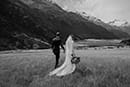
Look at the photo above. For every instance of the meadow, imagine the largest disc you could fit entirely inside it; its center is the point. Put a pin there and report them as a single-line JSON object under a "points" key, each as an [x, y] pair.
{"points": [[98, 68]]}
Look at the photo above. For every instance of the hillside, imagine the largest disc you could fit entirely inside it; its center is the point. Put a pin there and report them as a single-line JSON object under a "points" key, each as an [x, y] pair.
{"points": [[121, 25], [119, 31], [40, 19]]}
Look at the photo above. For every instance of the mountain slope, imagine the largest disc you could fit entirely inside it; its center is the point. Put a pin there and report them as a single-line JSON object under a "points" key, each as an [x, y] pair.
{"points": [[118, 31], [41, 19], [125, 29], [121, 25]]}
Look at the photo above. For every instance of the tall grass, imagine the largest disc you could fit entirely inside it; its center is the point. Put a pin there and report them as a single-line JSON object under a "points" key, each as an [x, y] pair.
{"points": [[31, 70]]}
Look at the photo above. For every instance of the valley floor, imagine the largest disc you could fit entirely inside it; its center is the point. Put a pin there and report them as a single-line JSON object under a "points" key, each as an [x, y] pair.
{"points": [[99, 67]]}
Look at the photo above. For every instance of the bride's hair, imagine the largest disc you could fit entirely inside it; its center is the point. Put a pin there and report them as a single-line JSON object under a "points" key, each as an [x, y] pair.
{"points": [[73, 37]]}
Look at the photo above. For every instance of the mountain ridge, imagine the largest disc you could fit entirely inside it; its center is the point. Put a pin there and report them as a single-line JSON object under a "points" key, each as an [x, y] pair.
{"points": [[42, 20], [120, 31]]}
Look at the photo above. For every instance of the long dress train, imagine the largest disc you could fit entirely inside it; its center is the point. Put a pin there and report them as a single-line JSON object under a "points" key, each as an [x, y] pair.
{"points": [[67, 67]]}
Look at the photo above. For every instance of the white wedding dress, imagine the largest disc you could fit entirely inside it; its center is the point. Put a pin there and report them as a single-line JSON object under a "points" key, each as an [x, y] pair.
{"points": [[67, 67]]}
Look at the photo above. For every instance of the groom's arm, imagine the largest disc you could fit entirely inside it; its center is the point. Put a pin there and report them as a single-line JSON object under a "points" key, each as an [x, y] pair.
{"points": [[52, 44], [62, 46]]}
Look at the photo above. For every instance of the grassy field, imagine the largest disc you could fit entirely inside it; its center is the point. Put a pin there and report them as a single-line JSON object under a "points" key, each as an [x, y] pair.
{"points": [[98, 68], [97, 43]]}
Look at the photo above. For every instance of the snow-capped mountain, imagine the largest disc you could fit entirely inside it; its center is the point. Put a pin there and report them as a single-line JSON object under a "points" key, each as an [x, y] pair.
{"points": [[117, 22], [121, 25], [117, 27], [41, 19], [90, 17]]}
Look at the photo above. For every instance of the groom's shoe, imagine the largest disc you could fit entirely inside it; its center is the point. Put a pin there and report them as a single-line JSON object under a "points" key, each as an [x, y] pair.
{"points": [[56, 66]]}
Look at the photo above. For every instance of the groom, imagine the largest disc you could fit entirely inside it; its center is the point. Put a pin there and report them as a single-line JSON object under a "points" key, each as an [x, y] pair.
{"points": [[56, 43]]}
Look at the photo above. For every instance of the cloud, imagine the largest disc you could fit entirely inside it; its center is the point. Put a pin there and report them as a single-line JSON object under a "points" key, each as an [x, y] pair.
{"points": [[113, 9], [105, 9]]}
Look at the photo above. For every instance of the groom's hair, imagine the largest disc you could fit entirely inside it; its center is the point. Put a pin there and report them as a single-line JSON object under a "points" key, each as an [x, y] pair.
{"points": [[57, 33]]}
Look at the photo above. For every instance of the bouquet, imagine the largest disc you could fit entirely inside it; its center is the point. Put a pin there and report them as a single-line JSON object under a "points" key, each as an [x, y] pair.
{"points": [[75, 59]]}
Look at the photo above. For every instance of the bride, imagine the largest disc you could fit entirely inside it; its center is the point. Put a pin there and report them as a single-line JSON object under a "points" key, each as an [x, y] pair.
{"points": [[68, 66]]}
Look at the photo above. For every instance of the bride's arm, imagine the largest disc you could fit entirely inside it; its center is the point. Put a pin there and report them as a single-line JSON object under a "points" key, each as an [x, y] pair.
{"points": [[73, 53]]}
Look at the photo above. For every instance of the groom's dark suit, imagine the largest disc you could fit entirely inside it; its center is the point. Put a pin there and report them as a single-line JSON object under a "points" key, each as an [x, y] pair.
{"points": [[56, 43]]}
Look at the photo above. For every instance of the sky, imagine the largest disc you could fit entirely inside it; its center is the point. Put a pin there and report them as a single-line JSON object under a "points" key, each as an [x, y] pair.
{"points": [[106, 10]]}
